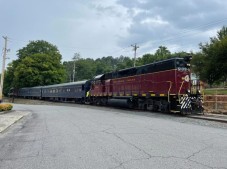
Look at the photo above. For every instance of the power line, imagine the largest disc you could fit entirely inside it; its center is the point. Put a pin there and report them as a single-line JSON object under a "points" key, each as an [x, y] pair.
{"points": [[190, 31]]}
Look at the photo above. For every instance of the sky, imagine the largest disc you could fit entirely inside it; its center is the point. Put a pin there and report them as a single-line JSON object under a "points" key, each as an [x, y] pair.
{"points": [[98, 28]]}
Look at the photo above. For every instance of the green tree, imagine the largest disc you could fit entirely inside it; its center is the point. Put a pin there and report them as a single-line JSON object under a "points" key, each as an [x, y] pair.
{"points": [[198, 65], [38, 70], [85, 69], [180, 54], [39, 63], [123, 62], [162, 53], [9, 76], [215, 58], [146, 59], [41, 47]]}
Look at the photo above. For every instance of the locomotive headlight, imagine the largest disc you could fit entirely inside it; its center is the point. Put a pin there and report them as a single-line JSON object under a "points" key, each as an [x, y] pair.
{"points": [[188, 91], [198, 92], [188, 65]]}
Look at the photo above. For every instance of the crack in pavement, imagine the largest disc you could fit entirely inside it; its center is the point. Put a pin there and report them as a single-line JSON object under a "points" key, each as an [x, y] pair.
{"points": [[162, 157], [126, 142], [199, 151], [19, 158], [149, 156]]}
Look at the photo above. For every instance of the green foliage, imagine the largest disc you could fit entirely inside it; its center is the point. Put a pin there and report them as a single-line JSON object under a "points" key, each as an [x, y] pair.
{"points": [[198, 65], [84, 69], [180, 54], [39, 63], [123, 62], [9, 79], [88, 68], [162, 53], [215, 58], [41, 47], [147, 58], [38, 70]]}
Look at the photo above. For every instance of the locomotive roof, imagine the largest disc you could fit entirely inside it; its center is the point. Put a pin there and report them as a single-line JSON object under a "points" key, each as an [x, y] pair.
{"points": [[67, 84], [98, 76], [162, 61], [150, 64], [167, 64], [58, 85]]}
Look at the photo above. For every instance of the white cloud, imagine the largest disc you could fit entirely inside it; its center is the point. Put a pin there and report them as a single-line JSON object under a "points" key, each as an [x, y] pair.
{"points": [[154, 21], [97, 28]]}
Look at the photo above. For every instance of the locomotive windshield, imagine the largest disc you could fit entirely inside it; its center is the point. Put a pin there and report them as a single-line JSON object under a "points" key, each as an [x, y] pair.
{"points": [[182, 65]]}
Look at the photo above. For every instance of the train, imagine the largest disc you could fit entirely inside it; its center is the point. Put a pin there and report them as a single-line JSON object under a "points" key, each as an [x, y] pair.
{"points": [[163, 86]]}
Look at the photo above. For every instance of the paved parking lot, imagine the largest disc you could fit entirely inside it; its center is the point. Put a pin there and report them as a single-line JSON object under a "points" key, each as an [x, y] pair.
{"points": [[89, 138]]}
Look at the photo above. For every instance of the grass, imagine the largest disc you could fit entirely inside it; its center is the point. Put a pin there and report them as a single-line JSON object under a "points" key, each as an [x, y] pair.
{"points": [[215, 91]]}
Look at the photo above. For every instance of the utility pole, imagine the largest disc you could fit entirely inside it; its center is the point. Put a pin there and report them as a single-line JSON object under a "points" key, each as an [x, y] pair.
{"points": [[75, 58], [5, 50], [74, 67], [135, 47]]}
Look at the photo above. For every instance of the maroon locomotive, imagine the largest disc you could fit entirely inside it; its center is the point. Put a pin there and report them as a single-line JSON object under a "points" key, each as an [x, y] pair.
{"points": [[160, 86]]}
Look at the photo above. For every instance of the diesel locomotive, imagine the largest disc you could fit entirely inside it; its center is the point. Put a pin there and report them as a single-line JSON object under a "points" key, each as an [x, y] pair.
{"points": [[163, 86]]}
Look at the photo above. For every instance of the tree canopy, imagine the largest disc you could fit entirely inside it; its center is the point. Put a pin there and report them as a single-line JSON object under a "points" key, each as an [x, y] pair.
{"points": [[88, 68], [41, 47], [211, 62], [39, 63]]}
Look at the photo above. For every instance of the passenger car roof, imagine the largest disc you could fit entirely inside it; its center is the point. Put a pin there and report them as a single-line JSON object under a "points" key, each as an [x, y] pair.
{"points": [[66, 84]]}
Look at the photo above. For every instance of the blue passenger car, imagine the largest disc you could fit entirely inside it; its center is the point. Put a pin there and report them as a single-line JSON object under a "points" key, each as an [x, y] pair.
{"points": [[30, 92], [74, 91]]}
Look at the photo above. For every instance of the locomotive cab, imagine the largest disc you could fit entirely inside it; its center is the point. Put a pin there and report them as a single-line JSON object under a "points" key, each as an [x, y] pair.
{"points": [[189, 95]]}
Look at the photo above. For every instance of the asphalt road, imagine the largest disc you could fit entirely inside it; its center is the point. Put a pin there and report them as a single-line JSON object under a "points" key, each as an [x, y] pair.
{"points": [[63, 137]]}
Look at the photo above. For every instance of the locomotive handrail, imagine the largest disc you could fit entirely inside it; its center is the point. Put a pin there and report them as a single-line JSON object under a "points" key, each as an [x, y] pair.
{"points": [[180, 90], [169, 90], [180, 87]]}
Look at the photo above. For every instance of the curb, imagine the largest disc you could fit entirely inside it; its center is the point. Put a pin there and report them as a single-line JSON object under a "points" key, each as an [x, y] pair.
{"points": [[8, 119], [5, 112]]}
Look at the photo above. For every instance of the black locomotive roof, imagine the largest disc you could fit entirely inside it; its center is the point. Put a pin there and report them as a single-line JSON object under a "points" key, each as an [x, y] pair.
{"points": [[148, 68], [162, 61]]}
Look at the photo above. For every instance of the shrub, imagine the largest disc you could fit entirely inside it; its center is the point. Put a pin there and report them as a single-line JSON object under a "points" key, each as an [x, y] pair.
{"points": [[5, 107]]}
